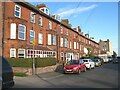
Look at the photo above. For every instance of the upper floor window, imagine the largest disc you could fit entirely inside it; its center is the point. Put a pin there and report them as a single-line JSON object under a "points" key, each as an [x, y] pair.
{"points": [[80, 47], [67, 32], [40, 21], [17, 12], [75, 45], [61, 42], [40, 38], [54, 39], [74, 36], [61, 30], [32, 17], [50, 25], [32, 35], [21, 32], [13, 31], [49, 39], [70, 45], [65, 42]]}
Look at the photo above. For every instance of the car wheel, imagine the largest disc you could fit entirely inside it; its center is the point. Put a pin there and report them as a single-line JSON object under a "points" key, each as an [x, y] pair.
{"points": [[90, 67]]}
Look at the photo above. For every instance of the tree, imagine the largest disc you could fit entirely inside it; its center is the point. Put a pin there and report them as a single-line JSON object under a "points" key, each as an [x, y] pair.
{"points": [[90, 54], [114, 54]]}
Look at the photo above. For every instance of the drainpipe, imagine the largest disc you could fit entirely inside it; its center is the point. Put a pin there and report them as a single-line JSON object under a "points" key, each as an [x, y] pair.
{"points": [[3, 28]]}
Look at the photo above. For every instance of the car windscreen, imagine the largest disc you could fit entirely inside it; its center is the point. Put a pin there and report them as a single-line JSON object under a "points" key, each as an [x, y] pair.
{"points": [[85, 60], [72, 62], [96, 60]]}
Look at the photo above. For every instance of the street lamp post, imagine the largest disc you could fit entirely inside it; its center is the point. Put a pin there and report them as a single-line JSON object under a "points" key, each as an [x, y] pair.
{"points": [[33, 42]]}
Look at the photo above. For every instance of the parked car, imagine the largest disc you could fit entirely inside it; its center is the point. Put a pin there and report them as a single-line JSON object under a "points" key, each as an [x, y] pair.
{"points": [[7, 74], [89, 63], [98, 62], [75, 66], [102, 61], [115, 60], [104, 57], [110, 59]]}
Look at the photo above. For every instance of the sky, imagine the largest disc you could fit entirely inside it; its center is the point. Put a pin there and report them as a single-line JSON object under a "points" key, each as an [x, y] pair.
{"points": [[99, 19]]}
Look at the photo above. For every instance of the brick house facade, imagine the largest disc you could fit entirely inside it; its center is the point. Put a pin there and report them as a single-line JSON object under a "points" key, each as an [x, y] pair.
{"points": [[25, 24]]}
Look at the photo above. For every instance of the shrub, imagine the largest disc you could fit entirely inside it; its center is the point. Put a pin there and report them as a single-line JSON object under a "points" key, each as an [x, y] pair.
{"points": [[27, 62], [20, 74]]}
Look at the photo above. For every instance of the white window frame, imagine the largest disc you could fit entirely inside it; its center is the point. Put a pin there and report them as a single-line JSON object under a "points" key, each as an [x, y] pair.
{"points": [[74, 45], [46, 11], [17, 11], [23, 53], [11, 49], [65, 42], [62, 55], [61, 30], [54, 40], [67, 32], [77, 45], [32, 17], [40, 20], [40, 38], [61, 42], [22, 32], [80, 47], [32, 36], [70, 45], [13, 31], [50, 25], [74, 35], [49, 39]]}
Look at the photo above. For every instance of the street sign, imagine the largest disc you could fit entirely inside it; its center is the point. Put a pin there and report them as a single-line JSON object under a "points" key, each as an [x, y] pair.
{"points": [[33, 42]]}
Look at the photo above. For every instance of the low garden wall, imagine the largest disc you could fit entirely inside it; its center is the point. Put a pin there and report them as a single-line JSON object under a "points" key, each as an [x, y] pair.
{"points": [[28, 71], [24, 65]]}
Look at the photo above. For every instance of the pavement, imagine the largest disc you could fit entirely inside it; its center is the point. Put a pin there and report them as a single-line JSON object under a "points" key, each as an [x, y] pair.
{"points": [[105, 76]]}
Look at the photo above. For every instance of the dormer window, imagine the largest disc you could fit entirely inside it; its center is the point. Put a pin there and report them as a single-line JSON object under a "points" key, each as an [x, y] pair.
{"points": [[45, 10]]}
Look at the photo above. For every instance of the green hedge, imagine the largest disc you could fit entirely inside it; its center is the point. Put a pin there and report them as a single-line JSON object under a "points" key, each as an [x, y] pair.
{"points": [[27, 62]]}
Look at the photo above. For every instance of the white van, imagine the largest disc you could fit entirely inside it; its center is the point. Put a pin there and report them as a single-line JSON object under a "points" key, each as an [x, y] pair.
{"points": [[104, 57]]}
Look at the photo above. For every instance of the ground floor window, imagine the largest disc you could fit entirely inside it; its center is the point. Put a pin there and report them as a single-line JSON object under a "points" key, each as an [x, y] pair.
{"points": [[62, 56], [40, 53], [21, 53], [12, 53]]}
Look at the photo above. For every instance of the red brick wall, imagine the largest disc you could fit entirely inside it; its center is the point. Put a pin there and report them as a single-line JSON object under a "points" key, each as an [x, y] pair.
{"points": [[1, 26], [25, 20]]}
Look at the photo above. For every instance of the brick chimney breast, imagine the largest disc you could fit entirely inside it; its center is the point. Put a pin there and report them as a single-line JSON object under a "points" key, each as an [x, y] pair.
{"points": [[41, 5]]}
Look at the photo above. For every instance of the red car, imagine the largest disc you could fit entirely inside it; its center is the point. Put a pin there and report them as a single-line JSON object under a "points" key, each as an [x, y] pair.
{"points": [[75, 66]]}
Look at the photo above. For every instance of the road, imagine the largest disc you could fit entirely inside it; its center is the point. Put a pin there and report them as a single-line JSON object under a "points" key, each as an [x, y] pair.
{"points": [[105, 76]]}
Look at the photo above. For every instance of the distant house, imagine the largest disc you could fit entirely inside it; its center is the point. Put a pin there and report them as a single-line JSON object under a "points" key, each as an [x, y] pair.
{"points": [[106, 47]]}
